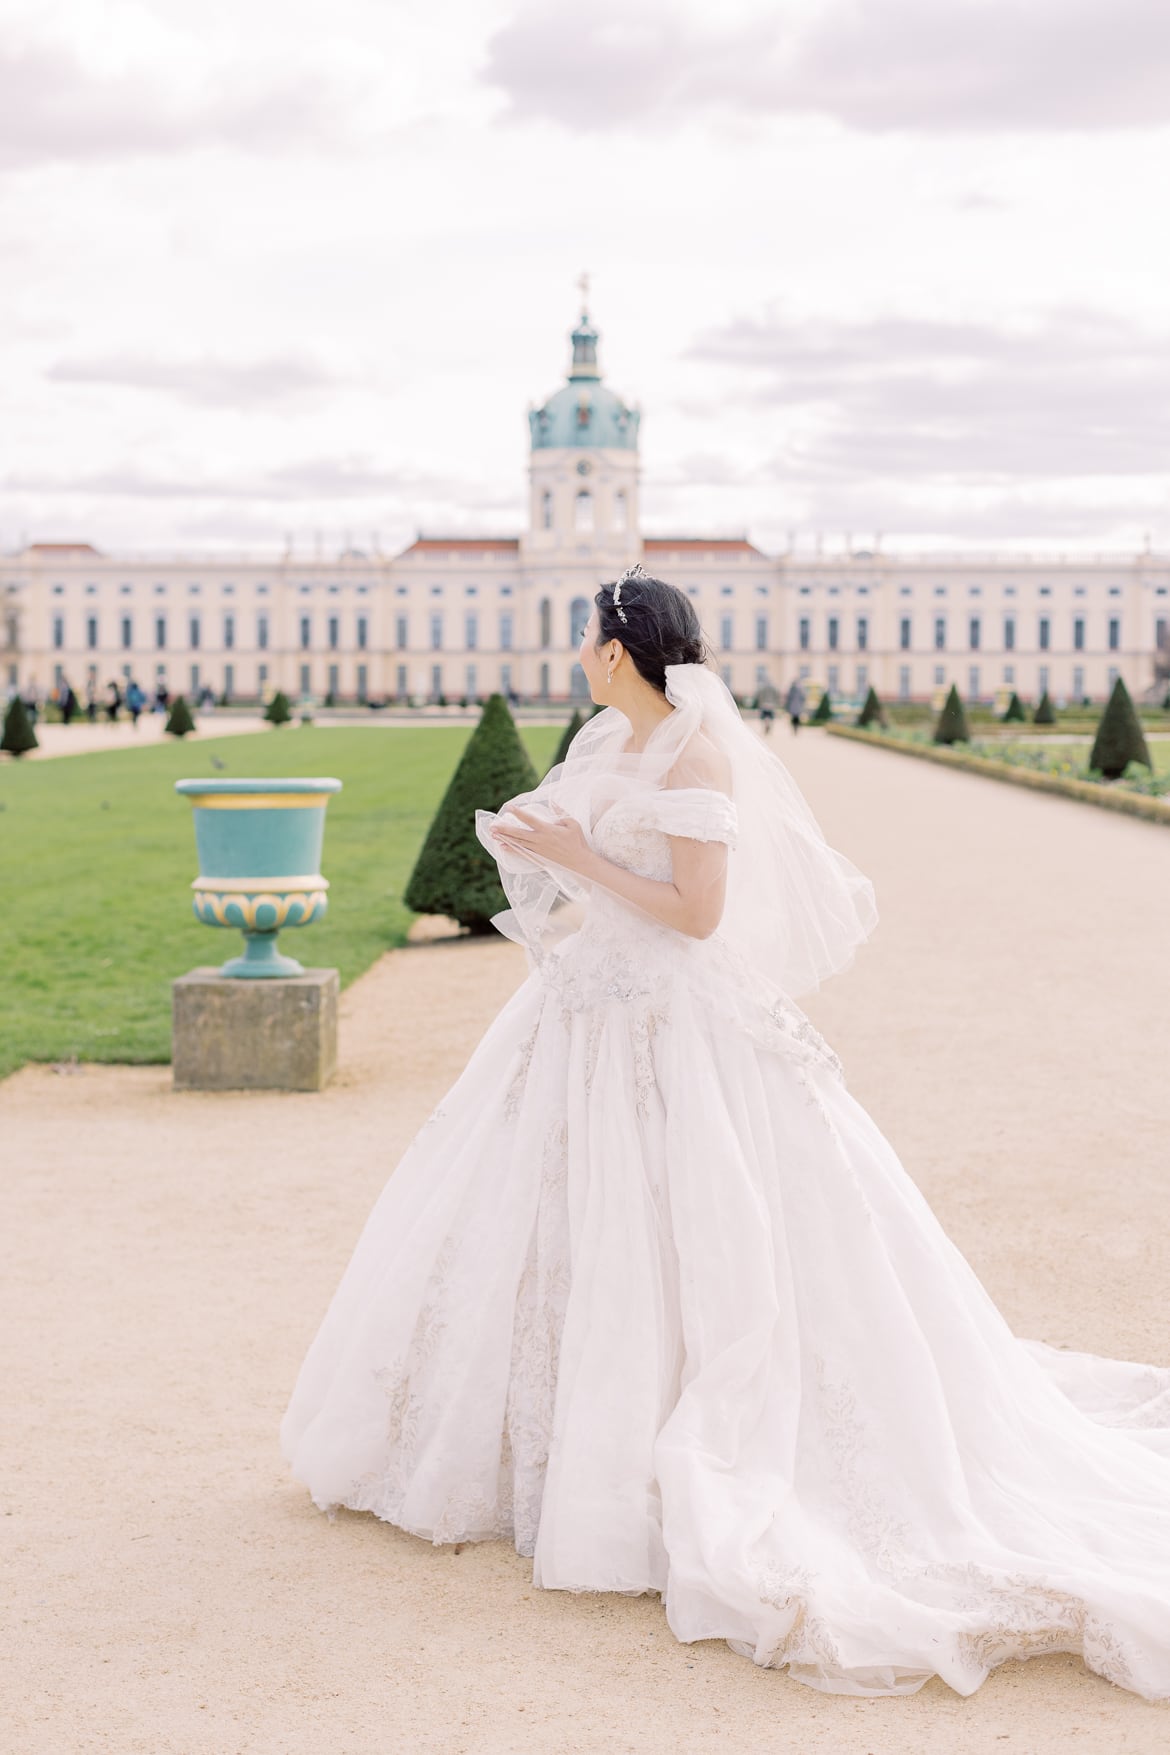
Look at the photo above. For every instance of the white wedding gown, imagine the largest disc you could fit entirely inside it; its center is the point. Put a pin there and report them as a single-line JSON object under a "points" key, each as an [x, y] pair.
{"points": [[652, 1296]]}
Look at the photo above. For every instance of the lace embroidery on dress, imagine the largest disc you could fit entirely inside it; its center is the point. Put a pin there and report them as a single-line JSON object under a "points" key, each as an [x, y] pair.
{"points": [[809, 1639], [853, 1467], [1022, 1615], [536, 1339]]}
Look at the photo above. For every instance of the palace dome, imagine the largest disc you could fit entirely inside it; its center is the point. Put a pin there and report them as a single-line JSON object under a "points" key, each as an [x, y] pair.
{"points": [[584, 412]]}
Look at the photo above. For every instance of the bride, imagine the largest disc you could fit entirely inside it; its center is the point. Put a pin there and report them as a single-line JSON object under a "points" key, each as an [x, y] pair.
{"points": [[650, 1295]]}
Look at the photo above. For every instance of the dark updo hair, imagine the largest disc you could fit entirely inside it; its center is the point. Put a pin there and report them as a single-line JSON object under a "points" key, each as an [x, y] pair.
{"points": [[661, 627]]}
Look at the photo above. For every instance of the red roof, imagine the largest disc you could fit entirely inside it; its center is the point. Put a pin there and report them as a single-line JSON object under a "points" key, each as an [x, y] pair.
{"points": [[464, 542], [62, 548], [734, 544]]}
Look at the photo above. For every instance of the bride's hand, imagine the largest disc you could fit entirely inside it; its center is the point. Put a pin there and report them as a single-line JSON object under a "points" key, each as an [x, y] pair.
{"points": [[556, 841]]}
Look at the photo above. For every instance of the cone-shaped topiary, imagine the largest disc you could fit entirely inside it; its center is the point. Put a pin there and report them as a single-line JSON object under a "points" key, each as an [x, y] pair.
{"points": [[872, 712], [1120, 738], [1014, 709], [1044, 714], [179, 720], [823, 711], [455, 874], [952, 721], [19, 735], [567, 736], [278, 711]]}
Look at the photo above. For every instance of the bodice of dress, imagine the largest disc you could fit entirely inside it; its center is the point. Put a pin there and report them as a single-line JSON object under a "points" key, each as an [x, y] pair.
{"points": [[622, 955], [623, 835]]}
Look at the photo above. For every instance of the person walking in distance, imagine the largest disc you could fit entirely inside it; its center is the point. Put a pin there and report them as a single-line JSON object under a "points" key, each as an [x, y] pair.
{"points": [[794, 702]]}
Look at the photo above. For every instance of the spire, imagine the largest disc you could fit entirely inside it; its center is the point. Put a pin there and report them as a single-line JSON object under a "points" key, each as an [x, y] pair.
{"points": [[584, 364]]}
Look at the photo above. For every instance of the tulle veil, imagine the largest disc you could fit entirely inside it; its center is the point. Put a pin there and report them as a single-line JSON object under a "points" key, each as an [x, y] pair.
{"points": [[795, 908]]}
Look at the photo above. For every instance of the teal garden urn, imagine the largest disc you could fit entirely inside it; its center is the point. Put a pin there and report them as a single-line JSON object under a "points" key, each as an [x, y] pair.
{"points": [[259, 846]]}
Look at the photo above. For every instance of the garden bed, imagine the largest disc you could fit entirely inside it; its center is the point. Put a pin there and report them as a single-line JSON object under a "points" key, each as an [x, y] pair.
{"points": [[1118, 795]]}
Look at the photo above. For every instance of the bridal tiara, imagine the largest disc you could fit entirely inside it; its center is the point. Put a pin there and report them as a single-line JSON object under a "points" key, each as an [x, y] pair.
{"points": [[637, 571]]}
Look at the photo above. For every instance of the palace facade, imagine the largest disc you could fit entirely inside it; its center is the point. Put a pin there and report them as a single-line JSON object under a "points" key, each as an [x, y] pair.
{"points": [[462, 616]]}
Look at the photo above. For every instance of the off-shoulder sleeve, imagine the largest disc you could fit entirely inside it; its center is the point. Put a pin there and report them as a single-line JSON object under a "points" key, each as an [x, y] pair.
{"points": [[697, 812]]}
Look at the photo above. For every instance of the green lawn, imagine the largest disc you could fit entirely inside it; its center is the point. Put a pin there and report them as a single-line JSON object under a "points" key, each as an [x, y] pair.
{"points": [[97, 854]]}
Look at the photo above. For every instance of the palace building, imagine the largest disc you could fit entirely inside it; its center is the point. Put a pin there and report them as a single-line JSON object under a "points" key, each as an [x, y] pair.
{"points": [[462, 616]]}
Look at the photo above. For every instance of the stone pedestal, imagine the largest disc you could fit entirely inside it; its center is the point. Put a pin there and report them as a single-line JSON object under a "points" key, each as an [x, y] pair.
{"points": [[237, 1035]]}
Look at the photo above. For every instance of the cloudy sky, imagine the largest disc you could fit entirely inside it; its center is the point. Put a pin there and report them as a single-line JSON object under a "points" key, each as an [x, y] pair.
{"points": [[894, 266]]}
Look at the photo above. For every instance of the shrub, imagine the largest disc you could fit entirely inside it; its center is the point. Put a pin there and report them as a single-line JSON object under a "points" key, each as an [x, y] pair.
{"points": [[1120, 738], [872, 710], [179, 720], [567, 736], [278, 711], [19, 735], [329, 700], [823, 710], [454, 873], [1044, 714], [951, 726], [1014, 709]]}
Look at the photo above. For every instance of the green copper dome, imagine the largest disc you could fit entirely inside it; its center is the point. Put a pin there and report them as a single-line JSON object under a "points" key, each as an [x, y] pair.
{"points": [[584, 412]]}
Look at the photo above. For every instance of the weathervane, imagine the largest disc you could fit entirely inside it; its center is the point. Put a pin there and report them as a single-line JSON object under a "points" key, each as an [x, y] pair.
{"points": [[583, 284]]}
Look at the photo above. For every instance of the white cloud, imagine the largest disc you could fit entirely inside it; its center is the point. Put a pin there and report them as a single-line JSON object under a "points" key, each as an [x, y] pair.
{"points": [[54, 108], [215, 382], [938, 66]]}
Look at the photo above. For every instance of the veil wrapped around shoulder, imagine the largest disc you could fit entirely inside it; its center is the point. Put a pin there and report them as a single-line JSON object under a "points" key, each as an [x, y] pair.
{"points": [[795, 908]]}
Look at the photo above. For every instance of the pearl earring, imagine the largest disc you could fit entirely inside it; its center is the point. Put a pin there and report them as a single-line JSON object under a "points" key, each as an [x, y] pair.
{"points": [[609, 674]]}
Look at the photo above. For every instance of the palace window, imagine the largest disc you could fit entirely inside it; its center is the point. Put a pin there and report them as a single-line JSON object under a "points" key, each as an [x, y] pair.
{"points": [[583, 515], [940, 633], [1009, 633], [334, 633], [262, 632], [904, 633], [194, 632], [401, 633], [833, 628], [1114, 634], [58, 632], [506, 630], [229, 632], [1078, 635], [579, 611], [546, 510], [973, 633], [1043, 633], [545, 631], [804, 633], [862, 633], [471, 632], [761, 633], [436, 635]]}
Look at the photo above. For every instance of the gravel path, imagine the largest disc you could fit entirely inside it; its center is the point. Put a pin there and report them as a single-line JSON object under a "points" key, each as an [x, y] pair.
{"points": [[166, 1259]]}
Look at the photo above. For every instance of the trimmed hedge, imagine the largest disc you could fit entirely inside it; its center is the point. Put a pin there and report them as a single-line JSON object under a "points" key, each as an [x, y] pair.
{"points": [[1120, 738], [455, 874], [567, 736], [951, 726], [179, 720], [19, 736]]}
